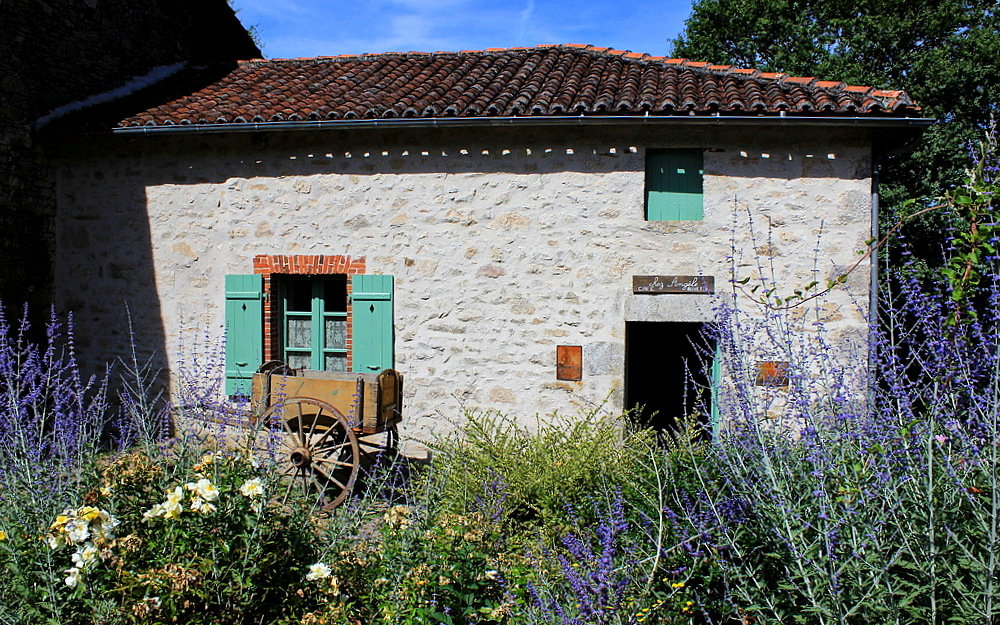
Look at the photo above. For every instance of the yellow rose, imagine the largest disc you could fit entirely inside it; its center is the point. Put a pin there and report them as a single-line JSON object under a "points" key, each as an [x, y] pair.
{"points": [[88, 513]]}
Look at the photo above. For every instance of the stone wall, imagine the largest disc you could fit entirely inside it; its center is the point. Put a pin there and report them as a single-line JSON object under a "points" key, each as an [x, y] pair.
{"points": [[503, 244]]}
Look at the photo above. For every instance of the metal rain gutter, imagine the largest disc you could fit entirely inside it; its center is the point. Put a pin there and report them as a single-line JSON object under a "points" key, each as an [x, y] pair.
{"points": [[499, 122]]}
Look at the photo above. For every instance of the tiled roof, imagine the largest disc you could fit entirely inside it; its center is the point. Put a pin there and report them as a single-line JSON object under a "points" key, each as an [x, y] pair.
{"points": [[559, 80]]}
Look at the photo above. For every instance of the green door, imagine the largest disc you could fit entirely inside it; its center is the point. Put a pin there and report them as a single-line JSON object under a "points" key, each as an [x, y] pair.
{"points": [[244, 331], [716, 379], [371, 316]]}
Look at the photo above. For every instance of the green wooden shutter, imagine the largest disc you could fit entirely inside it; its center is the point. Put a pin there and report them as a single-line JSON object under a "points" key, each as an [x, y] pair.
{"points": [[716, 381], [244, 331], [657, 204], [371, 319], [674, 185]]}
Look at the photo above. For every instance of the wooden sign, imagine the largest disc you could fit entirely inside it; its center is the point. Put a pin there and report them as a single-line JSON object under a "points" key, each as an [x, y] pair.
{"points": [[673, 284]]}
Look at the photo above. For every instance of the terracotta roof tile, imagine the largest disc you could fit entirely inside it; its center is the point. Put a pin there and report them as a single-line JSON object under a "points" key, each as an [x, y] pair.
{"points": [[799, 80], [549, 80]]}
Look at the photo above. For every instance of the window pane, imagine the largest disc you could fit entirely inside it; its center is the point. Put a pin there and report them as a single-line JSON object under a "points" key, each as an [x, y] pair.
{"points": [[299, 360], [335, 294], [336, 333], [336, 362], [298, 296], [299, 333]]}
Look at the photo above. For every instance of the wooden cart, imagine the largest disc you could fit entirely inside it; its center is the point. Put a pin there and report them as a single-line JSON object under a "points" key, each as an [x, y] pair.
{"points": [[328, 423]]}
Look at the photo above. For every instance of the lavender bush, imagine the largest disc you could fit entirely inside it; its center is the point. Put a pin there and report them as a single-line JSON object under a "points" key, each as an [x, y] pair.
{"points": [[588, 587], [867, 487], [51, 421]]}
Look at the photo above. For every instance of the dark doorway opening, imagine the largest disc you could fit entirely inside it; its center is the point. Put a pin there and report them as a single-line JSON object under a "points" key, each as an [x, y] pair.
{"points": [[668, 373]]}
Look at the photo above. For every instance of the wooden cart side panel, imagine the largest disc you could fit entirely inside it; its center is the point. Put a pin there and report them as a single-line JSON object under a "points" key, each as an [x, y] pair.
{"points": [[337, 393], [369, 417], [258, 389], [381, 405]]}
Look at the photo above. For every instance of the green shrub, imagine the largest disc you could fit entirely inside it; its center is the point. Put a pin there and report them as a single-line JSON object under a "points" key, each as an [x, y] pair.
{"points": [[166, 539], [411, 568], [528, 476]]}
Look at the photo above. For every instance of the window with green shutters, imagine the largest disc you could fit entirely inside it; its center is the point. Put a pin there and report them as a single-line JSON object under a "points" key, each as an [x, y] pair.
{"points": [[674, 185], [310, 324]]}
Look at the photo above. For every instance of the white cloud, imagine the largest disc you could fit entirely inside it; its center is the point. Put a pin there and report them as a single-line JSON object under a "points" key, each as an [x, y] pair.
{"points": [[526, 17], [428, 6], [293, 28]]}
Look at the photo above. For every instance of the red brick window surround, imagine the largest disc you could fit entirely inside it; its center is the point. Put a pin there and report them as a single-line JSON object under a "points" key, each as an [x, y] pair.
{"points": [[272, 267]]}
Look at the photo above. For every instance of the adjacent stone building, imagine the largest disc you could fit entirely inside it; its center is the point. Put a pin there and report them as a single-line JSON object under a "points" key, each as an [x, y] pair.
{"points": [[530, 230], [64, 56]]}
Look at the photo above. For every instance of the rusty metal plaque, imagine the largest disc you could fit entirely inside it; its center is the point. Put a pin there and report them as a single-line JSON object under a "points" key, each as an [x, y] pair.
{"points": [[772, 373], [569, 362]]}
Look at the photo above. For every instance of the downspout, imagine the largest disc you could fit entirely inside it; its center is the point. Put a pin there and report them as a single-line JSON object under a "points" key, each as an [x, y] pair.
{"points": [[879, 155], [873, 294], [873, 284]]}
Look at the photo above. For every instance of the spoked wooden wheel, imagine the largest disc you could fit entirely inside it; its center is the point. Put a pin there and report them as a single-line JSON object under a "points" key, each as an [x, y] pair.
{"points": [[318, 453]]}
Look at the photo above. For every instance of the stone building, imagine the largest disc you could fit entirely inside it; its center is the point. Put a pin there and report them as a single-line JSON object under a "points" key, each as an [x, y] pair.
{"points": [[532, 229]]}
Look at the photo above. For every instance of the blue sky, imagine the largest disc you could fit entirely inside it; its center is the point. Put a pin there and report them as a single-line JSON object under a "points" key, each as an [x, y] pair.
{"points": [[308, 28]]}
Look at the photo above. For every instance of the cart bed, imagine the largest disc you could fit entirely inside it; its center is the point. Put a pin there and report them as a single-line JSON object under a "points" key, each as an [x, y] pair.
{"points": [[380, 407]]}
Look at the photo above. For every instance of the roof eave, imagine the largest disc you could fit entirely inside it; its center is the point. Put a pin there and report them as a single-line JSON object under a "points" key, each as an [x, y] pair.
{"points": [[579, 120]]}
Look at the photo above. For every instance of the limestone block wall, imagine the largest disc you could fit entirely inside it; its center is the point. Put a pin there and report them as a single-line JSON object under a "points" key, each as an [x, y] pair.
{"points": [[503, 244]]}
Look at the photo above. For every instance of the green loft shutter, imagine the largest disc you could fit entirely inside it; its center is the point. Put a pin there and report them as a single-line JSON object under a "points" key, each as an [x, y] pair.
{"points": [[371, 317], [674, 185], [244, 331]]}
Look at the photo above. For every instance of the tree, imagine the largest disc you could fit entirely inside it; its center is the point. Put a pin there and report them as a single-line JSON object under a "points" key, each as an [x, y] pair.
{"points": [[944, 53]]}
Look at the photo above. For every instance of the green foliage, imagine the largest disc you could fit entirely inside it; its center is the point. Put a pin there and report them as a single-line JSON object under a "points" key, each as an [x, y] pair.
{"points": [[976, 206], [253, 32], [412, 566], [536, 470], [945, 54], [883, 43], [181, 541], [229, 559]]}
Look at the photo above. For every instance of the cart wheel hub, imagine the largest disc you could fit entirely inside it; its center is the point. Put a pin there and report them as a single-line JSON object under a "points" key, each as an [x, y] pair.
{"points": [[300, 457]]}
